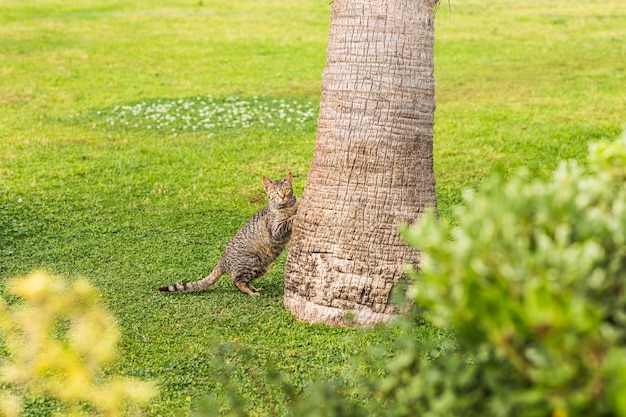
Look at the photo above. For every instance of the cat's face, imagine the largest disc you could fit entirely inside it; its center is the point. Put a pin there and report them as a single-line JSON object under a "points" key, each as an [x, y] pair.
{"points": [[280, 192]]}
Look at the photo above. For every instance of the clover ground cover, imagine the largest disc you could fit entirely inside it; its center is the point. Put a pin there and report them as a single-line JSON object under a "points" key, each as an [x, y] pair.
{"points": [[207, 113]]}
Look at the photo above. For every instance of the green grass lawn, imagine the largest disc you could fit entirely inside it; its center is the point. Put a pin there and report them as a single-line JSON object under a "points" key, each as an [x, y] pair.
{"points": [[134, 136]]}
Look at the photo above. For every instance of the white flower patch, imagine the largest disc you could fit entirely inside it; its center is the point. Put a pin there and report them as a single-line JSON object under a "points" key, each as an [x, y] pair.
{"points": [[204, 113]]}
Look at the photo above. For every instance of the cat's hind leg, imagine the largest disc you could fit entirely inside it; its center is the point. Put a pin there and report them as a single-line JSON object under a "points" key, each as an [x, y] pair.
{"points": [[245, 287], [243, 274]]}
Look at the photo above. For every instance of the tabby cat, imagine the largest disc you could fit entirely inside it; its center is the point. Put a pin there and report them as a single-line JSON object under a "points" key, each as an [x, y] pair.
{"points": [[257, 244]]}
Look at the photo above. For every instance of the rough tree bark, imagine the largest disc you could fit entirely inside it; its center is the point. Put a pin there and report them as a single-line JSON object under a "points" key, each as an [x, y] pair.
{"points": [[372, 166]]}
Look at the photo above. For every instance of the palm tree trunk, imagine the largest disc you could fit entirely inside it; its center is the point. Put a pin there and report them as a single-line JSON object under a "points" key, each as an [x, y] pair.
{"points": [[372, 166]]}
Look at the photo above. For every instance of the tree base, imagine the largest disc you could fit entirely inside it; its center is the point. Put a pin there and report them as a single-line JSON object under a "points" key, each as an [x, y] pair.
{"points": [[310, 312]]}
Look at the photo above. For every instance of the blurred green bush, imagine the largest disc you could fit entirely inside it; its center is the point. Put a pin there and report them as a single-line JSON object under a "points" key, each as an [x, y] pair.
{"points": [[532, 279]]}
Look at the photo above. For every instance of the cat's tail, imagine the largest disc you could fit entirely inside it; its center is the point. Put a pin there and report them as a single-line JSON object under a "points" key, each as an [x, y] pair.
{"points": [[197, 285]]}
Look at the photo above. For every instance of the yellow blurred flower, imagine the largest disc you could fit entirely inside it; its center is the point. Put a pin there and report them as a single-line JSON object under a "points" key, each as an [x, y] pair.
{"points": [[59, 338]]}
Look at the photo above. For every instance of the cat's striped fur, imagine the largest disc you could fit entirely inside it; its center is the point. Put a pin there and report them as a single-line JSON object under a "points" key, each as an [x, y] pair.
{"points": [[257, 244]]}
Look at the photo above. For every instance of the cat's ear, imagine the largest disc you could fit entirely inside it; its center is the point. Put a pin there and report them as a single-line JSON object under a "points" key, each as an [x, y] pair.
{"points": [[288, 178], [267, 183]]}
